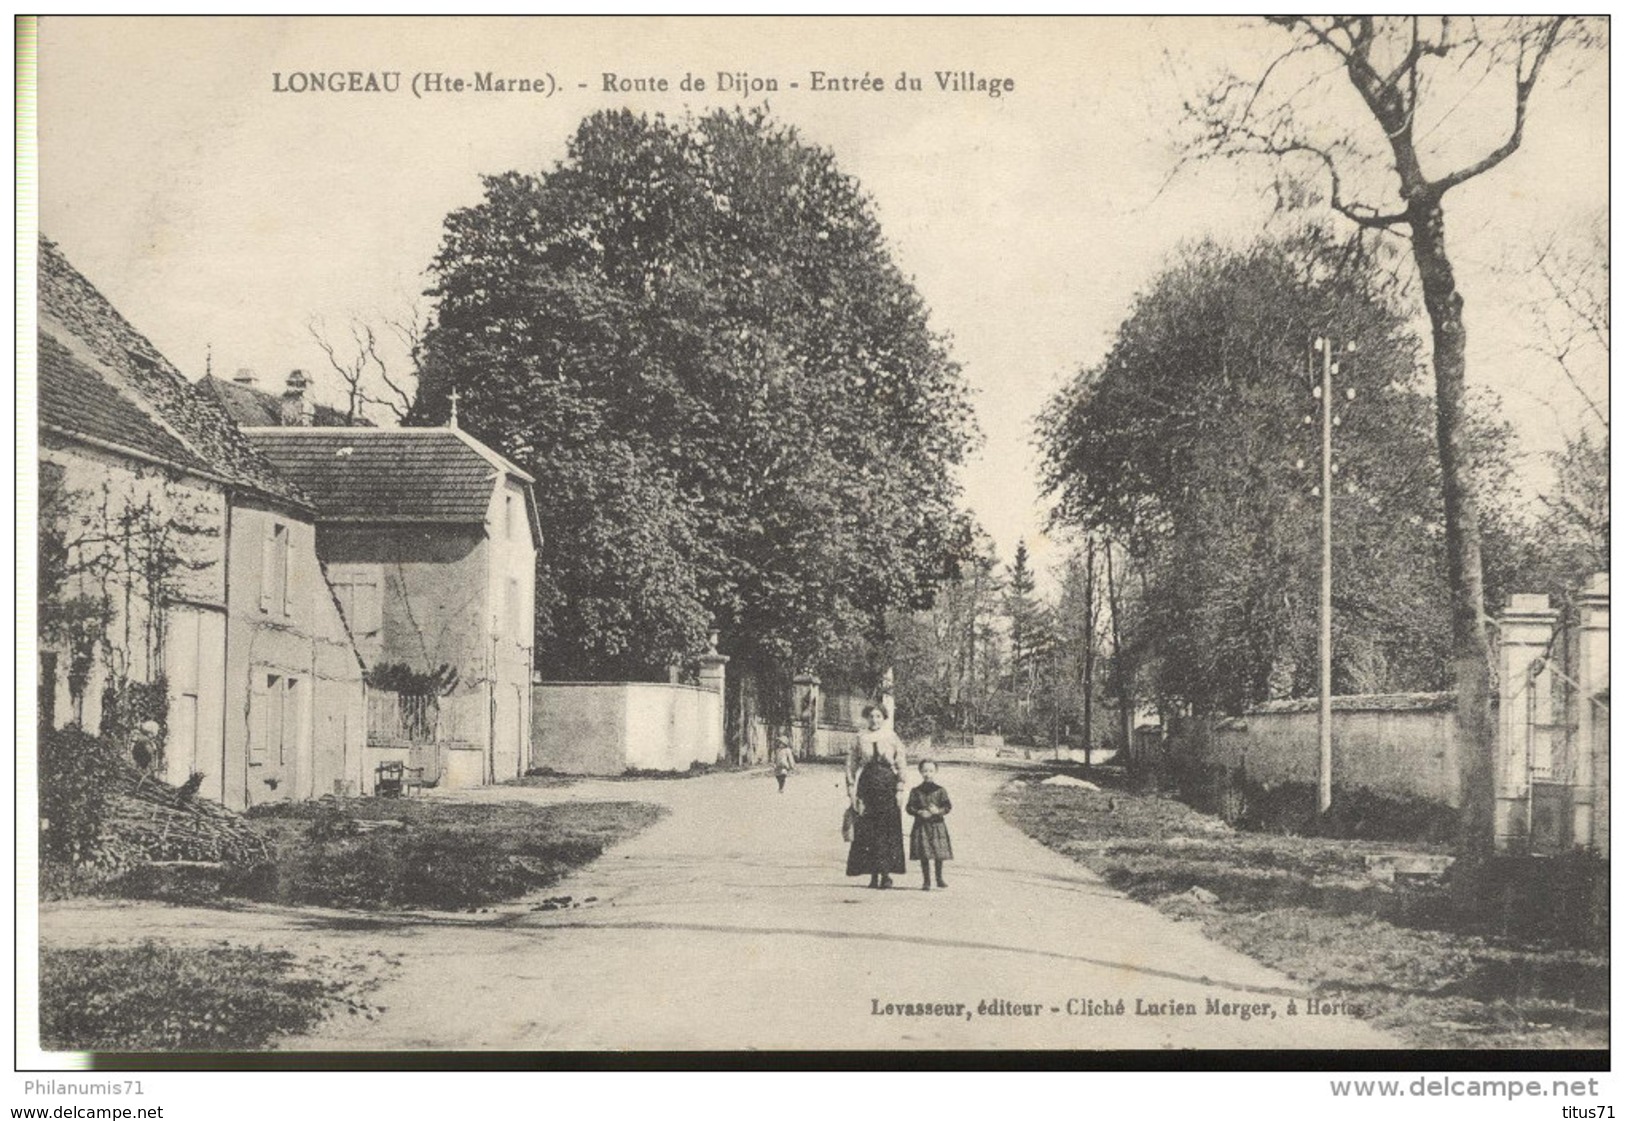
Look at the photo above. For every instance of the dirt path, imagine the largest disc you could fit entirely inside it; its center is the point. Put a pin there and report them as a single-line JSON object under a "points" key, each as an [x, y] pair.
{"points": [[729, 925]]}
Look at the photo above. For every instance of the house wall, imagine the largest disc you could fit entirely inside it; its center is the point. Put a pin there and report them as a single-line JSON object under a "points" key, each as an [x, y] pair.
{"points": [[511, 596], [426, 603], [463, 596], [187, 641], [296, 707], [606, 727], [1405, 752]]}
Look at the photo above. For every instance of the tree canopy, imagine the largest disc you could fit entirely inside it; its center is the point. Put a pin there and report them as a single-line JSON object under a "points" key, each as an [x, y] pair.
{"points": [[692, 332], [1195, 443]]}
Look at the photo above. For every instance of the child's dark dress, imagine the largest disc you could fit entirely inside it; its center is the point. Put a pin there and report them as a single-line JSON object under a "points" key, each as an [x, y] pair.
{"points": [[929, 838]]}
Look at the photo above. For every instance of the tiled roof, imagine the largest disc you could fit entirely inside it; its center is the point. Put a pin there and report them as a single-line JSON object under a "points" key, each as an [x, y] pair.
{"points": [[256, 408], [74, 398], [387, 474], [89, 339]]}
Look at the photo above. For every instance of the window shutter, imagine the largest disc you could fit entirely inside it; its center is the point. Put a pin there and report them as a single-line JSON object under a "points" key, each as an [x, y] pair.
{"points": [[267, 566], [290, 717], [287, 570], [369, 608], [259, 706]]}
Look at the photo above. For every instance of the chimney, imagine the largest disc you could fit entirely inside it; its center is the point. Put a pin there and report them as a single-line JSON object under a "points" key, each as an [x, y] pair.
{"points": [[245, 376], [296, 407]]}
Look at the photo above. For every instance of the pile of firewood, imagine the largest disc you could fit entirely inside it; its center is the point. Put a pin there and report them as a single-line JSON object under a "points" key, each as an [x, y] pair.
{"points": [[151, 821]]}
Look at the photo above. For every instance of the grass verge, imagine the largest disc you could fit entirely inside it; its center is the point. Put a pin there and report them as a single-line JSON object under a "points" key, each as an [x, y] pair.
{"points": [[1307, 907], [157, 997], [374, 853]]}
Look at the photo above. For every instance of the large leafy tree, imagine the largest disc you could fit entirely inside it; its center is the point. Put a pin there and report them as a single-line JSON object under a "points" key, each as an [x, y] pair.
{"points": [[692, 332], [1188, 444]]}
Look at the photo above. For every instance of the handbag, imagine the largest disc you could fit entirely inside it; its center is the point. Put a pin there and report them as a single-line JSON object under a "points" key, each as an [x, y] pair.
{"points": [[849, 824]]}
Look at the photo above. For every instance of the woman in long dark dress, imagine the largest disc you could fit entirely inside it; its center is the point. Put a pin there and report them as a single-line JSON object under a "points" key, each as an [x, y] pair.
{"points": [[874, 776]]}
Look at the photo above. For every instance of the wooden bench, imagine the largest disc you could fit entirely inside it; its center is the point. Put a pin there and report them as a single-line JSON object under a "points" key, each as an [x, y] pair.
{"points": [[395, 780]]}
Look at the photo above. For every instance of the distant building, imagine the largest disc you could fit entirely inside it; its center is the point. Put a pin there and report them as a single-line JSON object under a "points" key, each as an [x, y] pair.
{"points": [[253, 407], [175, 553], [429, 540]]}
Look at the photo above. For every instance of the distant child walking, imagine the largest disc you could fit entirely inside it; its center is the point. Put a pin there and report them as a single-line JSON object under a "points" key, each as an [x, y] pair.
{"points": [[784, 760], [928, 843]]}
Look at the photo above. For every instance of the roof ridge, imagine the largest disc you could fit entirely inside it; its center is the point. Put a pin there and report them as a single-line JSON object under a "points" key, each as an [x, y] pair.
{"points": [[492, 456], [72, 309]]}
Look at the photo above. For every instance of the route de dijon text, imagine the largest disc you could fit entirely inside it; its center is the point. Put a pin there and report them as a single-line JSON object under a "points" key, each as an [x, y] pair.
{"points": [[817, 81]]}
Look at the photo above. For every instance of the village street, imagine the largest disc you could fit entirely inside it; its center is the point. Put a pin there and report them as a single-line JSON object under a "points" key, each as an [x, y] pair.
{"points": [[729, 925]]}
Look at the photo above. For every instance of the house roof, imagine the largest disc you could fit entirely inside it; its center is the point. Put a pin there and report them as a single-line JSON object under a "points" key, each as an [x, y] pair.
{"points": [[75, 398], [392, 474], [103, 381], [254, 408]]}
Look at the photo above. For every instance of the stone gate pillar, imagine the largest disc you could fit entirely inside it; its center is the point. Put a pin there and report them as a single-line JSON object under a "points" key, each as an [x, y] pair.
{"points": [[713, 674], [806, 700], [1526, 628], [1591, 723], [888, 698]]}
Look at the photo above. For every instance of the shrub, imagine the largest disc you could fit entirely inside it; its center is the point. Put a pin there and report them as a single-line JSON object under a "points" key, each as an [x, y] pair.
{"points": [[1558, 900], [1356, 814], [79, 777]]}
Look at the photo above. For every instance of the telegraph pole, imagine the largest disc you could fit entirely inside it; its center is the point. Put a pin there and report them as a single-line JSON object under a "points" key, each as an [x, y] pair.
{"points": [[1325, 346], [1328, 421]]}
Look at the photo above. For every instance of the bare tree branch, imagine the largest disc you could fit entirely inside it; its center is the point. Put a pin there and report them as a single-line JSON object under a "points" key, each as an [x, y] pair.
{"points": [[1524, 86], [361, 365]]}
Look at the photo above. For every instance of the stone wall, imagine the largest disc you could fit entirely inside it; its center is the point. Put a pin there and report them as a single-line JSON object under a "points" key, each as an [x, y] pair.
{"points": [[1398, 744], [607, 727]]}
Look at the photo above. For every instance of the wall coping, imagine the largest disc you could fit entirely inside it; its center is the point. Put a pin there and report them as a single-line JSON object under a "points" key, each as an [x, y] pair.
{"points": [[1353, 702], [622, 685]]}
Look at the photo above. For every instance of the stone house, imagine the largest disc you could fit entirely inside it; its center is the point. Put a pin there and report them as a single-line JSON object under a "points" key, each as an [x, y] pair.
{"points": [[181, 556], [429, 539]]}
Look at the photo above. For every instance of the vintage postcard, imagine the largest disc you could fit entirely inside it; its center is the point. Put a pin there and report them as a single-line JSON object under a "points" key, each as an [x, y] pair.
{"points": [[846, 536]]}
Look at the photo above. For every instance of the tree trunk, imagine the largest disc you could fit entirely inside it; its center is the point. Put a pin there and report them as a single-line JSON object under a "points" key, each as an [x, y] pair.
{"points": [[1123, 674], [975, 610], [1470, 646], [1089, 654]]}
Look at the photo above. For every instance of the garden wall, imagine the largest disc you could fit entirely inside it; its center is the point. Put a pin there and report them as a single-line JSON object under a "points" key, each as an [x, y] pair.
{"points": [[1398, 744], [607, 727]]}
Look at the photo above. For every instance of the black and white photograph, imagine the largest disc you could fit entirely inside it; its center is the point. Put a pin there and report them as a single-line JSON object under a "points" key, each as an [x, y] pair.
{"points": [[1074, 541]]}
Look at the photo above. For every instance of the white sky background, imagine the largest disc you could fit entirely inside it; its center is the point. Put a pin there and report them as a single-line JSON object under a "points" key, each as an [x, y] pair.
{"points": [[211, 210]]}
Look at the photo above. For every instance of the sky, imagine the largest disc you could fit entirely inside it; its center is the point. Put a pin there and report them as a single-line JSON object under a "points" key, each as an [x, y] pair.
{"points": [[222, 216]]}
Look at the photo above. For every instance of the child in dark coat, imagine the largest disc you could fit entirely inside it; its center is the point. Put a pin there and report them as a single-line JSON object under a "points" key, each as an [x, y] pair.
{"points": [[928, 843]]}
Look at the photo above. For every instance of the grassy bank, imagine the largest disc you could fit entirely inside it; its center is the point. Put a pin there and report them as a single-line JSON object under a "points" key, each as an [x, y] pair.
{"points": [[373, 853], [1308, 907], [157, 997]]}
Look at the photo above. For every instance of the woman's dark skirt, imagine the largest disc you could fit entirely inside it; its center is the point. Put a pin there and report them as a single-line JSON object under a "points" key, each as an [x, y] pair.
{"points": [[877, 835]]}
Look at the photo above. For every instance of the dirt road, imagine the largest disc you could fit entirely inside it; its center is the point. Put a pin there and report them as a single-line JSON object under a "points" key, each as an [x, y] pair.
{"points": [[729, 925]]}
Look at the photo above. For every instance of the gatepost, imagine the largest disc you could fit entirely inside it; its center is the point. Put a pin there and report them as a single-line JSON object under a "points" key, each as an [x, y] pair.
{"points": [[1591, 674], [1526, 629], [888, 698], [806, 702], [713, 674]]}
